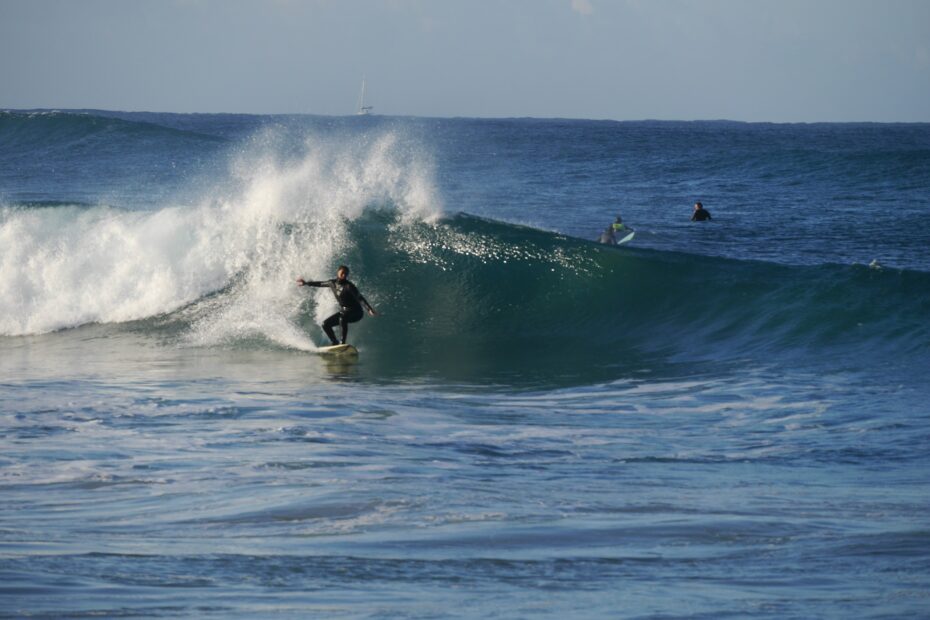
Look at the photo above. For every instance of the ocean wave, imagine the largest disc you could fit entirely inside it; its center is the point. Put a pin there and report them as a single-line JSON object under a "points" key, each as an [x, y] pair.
{"points": [[29, 134], [64, 266], [482, 287], [452, 291]]}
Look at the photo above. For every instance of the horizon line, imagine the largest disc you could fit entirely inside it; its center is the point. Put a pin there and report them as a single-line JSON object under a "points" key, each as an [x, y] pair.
{"points": [[461, 117]]}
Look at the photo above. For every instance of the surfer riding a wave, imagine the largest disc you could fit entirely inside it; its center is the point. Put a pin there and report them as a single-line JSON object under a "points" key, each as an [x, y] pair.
{"points": [[350, 303]]}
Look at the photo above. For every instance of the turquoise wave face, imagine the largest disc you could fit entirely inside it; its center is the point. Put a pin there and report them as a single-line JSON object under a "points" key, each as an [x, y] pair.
{"points": [[471, 293]]}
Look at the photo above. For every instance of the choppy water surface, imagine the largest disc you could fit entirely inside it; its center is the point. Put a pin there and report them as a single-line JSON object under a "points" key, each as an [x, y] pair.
{"points": [[696, 425]]}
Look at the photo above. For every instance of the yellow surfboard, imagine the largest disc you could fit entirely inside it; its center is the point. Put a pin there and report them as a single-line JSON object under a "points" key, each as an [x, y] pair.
{"points": [[338, 349]]}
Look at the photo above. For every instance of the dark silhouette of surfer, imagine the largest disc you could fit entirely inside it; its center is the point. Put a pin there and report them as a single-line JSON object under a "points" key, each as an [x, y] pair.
{"points": [[700, 213], [350, 303]]}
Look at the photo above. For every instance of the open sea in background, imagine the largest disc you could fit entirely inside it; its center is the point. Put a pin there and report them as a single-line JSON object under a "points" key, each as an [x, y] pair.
{"points": [[719, 419]]}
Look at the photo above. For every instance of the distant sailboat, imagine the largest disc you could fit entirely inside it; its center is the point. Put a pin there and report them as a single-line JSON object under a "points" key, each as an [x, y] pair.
{"points": [[362, 108]]}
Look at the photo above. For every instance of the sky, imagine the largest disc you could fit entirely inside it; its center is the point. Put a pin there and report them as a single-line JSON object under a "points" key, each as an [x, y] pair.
{"points": [[745, 60]]}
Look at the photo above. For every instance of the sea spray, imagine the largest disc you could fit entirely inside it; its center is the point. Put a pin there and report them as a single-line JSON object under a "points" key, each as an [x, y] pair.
{"points": [[295, 210], [275, 217], [67, 266]]}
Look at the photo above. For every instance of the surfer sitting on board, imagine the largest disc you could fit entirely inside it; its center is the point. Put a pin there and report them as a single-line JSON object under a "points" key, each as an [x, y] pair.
{"points": [[619, 226], [609, 236], [350, 303]]}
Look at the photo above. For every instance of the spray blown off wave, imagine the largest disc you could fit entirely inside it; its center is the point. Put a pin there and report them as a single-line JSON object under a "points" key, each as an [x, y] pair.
{"points": [[66, 266]]}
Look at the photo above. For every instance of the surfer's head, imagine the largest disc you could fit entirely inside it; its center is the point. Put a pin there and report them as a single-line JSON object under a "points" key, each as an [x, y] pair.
{"points": [[342, 273], [698, 206]]}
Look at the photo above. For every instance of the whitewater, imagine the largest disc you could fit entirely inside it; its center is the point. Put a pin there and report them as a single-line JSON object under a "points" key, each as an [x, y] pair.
{"points": [[718, 419]]}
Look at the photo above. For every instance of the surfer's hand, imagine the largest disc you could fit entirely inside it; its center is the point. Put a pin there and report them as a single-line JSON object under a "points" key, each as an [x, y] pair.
{"points": [[372, 312], [300, 282]]}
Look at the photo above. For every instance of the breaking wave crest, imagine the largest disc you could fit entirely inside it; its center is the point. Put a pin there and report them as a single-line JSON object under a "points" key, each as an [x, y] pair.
{"points": [[69, 265]]}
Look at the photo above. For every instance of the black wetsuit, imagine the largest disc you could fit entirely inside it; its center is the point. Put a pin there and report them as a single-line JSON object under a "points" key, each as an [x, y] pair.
{"points": [[350, 304], [700, 215]]}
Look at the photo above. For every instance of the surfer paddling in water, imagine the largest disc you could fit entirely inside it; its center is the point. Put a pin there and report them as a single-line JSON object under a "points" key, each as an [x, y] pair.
{"points": [[350, 303]]}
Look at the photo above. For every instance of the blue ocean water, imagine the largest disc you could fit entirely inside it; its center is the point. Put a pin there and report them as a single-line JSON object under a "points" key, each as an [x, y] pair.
{"points": [[718, 419]]}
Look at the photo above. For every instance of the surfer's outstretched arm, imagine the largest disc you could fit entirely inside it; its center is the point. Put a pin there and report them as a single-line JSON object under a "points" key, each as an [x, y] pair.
{"points": [[302, 282], [364, 302], [368, 307]]}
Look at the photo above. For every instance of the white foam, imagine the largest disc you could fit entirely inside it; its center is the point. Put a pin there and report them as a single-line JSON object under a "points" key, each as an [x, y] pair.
{"points": [[274, 219]]}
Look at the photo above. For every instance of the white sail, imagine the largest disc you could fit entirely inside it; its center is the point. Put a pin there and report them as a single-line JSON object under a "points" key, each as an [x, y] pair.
{"points": [[362, 108]]}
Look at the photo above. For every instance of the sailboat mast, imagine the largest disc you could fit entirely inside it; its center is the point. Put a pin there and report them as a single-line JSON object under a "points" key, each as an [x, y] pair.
{"points": [[362, 108]]}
